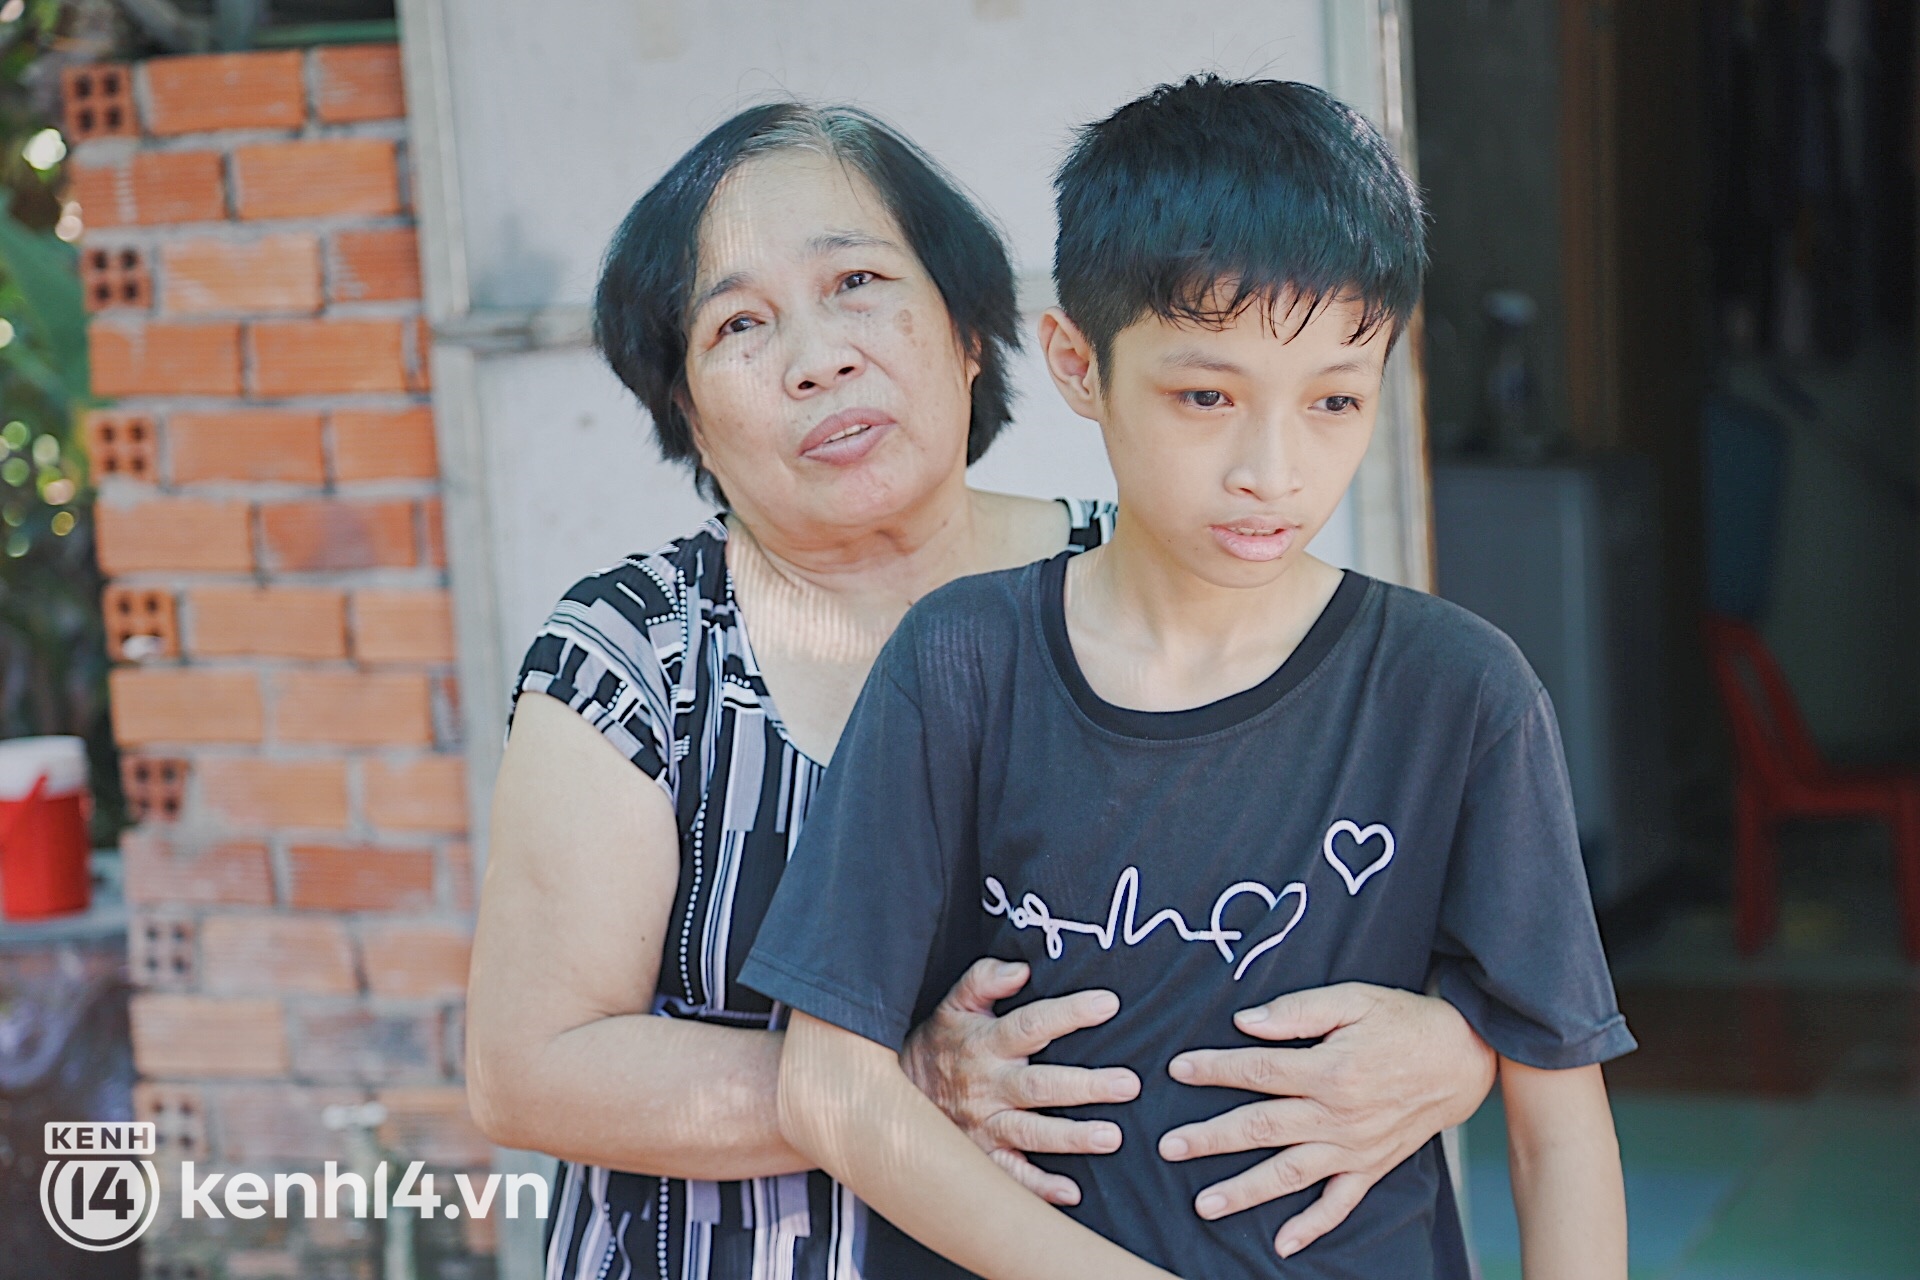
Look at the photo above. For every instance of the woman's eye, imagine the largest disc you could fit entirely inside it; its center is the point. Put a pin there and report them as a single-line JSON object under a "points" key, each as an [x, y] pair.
{"points": [[738, 324], [1340, 404], [854, 279], [1205, 399]]}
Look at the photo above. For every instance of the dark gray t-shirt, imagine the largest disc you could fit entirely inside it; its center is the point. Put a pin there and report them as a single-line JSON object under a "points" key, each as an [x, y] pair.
{"points": [[1390, 804]]}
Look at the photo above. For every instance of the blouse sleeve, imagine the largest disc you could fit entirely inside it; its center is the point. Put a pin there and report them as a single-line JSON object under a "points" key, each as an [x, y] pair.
{"points": [[600, 652]]}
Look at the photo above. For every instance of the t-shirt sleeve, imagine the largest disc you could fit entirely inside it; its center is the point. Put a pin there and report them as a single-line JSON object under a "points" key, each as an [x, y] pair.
{"points": [[868, 892], [1518, 951], [596, 652]]}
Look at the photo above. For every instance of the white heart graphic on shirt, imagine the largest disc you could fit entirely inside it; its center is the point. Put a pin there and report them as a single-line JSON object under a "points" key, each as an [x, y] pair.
{"points": [[1272, 899], [1361, 835]]}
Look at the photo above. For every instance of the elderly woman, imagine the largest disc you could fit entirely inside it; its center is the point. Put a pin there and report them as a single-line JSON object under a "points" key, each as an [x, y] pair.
{"points": [[820, 325]]}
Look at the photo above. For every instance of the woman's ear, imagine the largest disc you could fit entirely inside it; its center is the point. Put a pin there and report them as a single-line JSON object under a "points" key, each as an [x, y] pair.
{"points": [[684, 403], [1069, 357]]}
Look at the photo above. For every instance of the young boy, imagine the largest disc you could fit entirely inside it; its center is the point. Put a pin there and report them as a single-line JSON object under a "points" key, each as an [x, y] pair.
{"points": [[1196, 766]]}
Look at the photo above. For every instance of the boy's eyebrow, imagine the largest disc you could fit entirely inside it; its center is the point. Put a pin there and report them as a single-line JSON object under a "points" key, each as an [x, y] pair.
{"points": [[1193, 358], [829, 242]]}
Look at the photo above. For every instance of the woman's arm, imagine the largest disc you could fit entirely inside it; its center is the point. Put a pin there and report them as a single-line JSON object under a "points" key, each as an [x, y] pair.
{"points": [[1391, 1070], [847, 1103], [565, 1056], [1565, 1162], [563, 1053]]}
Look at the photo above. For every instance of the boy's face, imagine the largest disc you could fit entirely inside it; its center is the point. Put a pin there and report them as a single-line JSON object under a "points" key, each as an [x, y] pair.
{"points": [[1231, 446]]}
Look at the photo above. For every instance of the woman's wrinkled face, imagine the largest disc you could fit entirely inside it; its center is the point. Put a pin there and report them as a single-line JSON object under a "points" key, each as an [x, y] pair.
{"points": [[828, 390]]}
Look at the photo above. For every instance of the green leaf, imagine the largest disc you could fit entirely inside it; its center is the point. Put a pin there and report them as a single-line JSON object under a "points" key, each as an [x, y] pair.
{"points": [[46, 272]]}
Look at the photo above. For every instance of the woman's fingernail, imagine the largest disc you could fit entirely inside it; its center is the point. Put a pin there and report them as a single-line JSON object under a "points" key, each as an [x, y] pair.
{"points": [[1107, 1138], [1212, 1205], [1289, 1247], [1181, 1069], [1173, 1148], [1008, 968], [1248, 1016]]}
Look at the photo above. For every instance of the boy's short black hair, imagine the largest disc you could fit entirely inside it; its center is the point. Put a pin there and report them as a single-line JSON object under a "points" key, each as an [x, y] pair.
{"points": [[646, 282], [1201, 199]]}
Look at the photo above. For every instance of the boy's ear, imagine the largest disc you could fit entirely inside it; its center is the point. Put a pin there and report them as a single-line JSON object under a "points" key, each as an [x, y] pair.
{"points": [[1069, 357]]}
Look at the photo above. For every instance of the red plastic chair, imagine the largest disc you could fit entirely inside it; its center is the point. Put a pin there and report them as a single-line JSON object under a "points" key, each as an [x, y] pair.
{"points": [[1782, 775]]}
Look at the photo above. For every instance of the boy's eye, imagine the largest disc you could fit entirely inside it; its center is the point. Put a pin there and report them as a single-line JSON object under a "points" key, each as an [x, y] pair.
{"points": [[1340, 404], [1205, 399]]}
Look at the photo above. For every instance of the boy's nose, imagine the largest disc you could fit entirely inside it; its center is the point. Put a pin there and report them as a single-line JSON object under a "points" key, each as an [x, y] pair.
{"points": [[1266, 466]]}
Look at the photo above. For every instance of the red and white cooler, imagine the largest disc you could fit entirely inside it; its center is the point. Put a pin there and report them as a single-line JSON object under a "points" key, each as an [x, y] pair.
{"points": [[44, 807]]}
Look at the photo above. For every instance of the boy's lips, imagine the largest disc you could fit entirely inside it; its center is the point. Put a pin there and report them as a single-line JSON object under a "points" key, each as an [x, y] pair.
{"points": [[1254, 540], [846, 436]]}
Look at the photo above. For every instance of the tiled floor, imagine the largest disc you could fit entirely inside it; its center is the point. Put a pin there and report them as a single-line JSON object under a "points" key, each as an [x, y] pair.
{"points": [[1769, 1124], [1739, 1189]]}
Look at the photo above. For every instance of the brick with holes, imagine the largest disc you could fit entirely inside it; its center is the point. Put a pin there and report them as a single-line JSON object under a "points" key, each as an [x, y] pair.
{"points": [[96, 101], [115, 276], [155, 787], [121, 445], [142, 623], [178, 1114], [160, 951]]}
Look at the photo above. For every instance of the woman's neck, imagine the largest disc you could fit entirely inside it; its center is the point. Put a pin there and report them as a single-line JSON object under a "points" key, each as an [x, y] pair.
{"points": [[838, 594]]}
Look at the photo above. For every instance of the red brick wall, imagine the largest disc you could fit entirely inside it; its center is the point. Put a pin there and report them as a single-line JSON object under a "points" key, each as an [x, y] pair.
{"points": [[269, 516]]}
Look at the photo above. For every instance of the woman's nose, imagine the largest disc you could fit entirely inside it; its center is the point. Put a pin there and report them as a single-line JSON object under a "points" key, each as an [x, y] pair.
{"points": [[823, 359]]}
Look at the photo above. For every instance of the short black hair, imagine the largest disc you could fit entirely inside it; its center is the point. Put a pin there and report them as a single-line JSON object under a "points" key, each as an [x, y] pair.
{"points": [[646, 282], [1200, 199]]}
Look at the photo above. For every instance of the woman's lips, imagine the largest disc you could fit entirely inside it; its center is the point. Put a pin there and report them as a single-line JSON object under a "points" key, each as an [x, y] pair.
{"points": [[1254, 542], [846, 437]]}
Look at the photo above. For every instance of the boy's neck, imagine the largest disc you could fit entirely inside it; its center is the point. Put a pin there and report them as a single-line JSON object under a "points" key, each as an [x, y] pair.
{"points": [[1152, 635]]}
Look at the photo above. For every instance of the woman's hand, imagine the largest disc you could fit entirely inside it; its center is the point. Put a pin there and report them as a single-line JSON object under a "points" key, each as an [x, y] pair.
{"points": [[974, 1067], [1393, 1070]]}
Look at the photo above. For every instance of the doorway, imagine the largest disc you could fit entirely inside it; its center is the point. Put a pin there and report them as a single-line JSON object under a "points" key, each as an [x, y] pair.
{"points": [[1674, 266]]}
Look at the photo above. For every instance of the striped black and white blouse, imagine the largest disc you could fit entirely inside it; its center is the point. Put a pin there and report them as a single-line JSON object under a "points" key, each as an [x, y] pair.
{"points": [[654, 653]]}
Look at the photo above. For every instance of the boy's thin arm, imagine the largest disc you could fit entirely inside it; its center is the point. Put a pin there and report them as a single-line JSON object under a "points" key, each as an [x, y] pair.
{"points": [[846, 1102], [1565, 1162]]}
